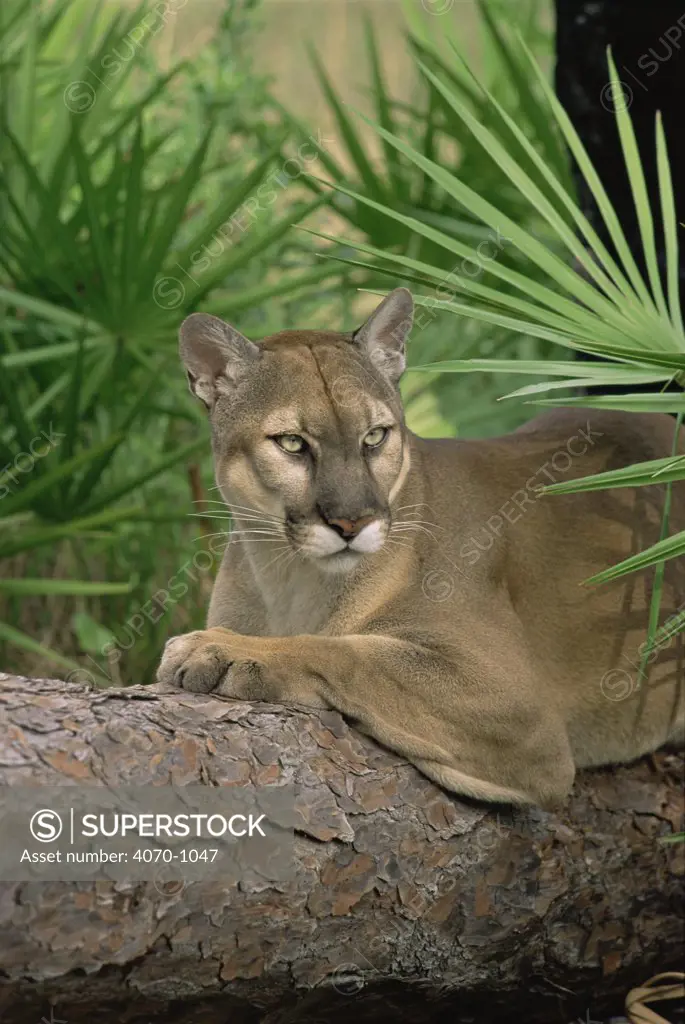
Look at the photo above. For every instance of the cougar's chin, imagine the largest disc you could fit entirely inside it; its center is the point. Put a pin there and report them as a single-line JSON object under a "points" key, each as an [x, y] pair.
{"points": [[341, 561]]}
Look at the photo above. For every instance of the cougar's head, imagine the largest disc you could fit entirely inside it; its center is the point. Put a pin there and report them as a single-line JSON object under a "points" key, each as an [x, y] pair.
{"points": [[307, 428]]}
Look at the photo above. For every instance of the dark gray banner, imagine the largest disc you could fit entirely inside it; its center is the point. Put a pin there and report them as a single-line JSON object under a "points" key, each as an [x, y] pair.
{"points": [[167, 834]]}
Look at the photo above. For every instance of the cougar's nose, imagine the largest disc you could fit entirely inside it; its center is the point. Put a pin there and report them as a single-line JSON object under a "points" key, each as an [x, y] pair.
{"points": [[349, 528]]}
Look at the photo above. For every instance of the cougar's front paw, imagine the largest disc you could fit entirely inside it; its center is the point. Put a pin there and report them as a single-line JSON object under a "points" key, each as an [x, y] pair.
{"points": [[212, 661]]}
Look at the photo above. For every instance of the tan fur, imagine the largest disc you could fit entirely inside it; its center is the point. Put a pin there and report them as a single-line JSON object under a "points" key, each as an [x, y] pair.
{"points": [[467, 642]]}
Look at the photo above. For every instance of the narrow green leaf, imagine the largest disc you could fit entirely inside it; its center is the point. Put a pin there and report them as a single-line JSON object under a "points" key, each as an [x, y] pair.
{"points": [[507, 322], [48, 310], [101, 250], [47, 353], [97, 467], [384, 113], [631, 378], [155, 251], [352, 141], [462, 84], [227, 208], [25, 119], [64, 588], [300, 129], [133, 112], [672, 403], [132, 241], [36, 489], [537, 116], [641, 474], [74, 529], [638, 187], [670, 226], [92, 636], [245, 252], [659, 570], [140, 479], [670, 547], [70, 414], [18, 639], [548, 367], [253, 298]]}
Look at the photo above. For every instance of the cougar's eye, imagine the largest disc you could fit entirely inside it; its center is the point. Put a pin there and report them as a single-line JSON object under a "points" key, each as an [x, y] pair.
{"points": [[291, 443], [375, 437]]}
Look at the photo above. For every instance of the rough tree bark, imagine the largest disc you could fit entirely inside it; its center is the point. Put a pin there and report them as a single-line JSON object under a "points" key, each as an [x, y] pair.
{"points": [[406, 903]]}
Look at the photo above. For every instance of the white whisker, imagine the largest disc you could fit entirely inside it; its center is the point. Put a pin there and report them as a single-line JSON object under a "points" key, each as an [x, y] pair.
{"points": [[213, 514], [256, 511], [256, 540], [400, 543], [257, 519], [416, 504], [207, 515], [268, 532], [280, 555], [417, 522], [232, 519], [245, 508], [406, 528]]}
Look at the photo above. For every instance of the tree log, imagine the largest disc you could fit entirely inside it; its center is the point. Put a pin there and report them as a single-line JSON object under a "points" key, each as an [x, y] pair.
{"points": [[406, 903]]}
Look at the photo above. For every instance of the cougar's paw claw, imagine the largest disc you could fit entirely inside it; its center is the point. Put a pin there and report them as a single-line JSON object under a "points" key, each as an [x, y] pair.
{"points": [[201, 663], [194, 662], [203, 669]]}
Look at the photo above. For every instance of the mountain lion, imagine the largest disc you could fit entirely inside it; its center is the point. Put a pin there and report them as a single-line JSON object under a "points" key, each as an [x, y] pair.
{"points": [[426, 589]]}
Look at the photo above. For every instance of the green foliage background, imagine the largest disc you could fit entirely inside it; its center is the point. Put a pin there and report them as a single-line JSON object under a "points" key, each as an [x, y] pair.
{"points": [[132, 196]]}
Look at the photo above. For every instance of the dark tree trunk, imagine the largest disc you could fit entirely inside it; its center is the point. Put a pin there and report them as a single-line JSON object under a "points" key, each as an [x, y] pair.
{"points": [[648, 45], [406, 904]]}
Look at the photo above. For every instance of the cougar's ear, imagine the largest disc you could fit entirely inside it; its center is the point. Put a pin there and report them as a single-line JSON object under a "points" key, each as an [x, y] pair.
{"points": [[214, 354], [384, 334]]}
